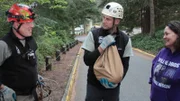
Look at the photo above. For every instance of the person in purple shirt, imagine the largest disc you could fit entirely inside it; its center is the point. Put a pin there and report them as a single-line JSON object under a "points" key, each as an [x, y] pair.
{"points": [[165, 72]]}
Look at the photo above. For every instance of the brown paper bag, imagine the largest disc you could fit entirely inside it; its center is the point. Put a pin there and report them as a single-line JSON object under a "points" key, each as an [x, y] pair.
{"points": [[109, 65]]}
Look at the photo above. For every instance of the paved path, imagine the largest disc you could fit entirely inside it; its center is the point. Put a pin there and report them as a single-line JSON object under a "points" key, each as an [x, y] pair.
{"points": [[79, 90], [134, 87]]}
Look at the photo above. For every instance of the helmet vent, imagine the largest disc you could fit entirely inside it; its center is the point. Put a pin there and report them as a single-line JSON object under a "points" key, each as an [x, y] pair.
{"points": [[108, 6], [113, 9]]}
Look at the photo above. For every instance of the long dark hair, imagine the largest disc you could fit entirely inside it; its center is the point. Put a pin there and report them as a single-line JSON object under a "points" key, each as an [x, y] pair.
{"points": [[175, 27]]}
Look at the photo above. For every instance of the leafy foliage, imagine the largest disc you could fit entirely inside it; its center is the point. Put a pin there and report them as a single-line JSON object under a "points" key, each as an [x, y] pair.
{"points": [[147, 43], [57, 18], [78, 11], [48, 24]]}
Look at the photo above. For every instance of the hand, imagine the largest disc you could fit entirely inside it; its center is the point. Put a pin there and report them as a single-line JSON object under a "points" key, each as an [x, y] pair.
{"points": [[107, 84], [7, 94], [40, 79], [107, 41], [150, 80]]}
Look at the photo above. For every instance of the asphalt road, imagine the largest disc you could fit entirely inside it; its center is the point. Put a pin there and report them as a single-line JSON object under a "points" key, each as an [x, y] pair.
{"points": [[134, 87]]}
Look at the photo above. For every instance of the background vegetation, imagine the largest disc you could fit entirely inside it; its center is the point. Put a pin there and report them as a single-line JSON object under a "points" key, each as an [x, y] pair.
{"points": [[152, 16], [147, 43], [57, 18]]}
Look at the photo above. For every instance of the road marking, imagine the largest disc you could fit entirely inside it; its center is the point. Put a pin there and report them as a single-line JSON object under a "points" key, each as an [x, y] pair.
{"points": [[72, 80], [143, 52]]}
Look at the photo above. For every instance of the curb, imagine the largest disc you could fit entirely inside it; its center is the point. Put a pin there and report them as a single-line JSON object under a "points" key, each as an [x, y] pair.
{"points": [[143, 52], [69, 87]]}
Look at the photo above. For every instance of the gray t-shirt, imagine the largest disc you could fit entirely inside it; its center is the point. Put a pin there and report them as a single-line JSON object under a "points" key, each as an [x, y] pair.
{"points": [[5, 52], [88, 44]]}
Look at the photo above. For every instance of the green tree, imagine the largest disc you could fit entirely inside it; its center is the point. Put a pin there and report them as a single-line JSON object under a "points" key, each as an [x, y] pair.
{"points": [[78, 11]]}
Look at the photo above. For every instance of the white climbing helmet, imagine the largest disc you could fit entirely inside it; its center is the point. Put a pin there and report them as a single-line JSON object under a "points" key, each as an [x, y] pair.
{"points": [[113, 9]]}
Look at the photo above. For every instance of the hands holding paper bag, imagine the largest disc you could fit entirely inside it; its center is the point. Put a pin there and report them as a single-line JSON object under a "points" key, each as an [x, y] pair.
{"points": [[107, 41], [107, 84]]}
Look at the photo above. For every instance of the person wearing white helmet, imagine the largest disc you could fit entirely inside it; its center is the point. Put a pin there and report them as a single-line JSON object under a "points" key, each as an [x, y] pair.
{"points": [[94, 45]]}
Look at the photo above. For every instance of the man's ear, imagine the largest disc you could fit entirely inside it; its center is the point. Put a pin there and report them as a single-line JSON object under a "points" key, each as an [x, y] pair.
{"points": [[117, 21]]}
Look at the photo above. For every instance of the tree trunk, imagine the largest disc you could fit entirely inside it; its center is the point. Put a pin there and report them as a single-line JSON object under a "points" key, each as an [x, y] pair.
{"points": [[152, 22], [145, 20], [73, 30]]}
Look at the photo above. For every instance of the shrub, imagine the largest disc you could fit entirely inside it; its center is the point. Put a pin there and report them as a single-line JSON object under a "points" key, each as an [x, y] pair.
{"points": [[147, 43]]}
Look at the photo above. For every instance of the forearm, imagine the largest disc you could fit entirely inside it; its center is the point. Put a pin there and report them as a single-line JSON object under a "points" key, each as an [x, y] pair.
{"points": [[1, 85], [125, 62], [91, 57]]}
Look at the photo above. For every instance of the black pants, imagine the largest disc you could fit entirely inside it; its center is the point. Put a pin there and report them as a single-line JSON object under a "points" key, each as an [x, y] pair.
{"points": [[95, 94]]}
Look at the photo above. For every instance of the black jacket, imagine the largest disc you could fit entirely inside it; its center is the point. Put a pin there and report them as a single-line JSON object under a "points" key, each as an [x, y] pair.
{"points": [[90, 57], [19, 71]]}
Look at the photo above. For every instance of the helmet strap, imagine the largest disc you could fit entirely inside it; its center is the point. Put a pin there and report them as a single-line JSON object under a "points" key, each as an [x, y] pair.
{"points": [[111, 30], [19, 27], [17, 30]]}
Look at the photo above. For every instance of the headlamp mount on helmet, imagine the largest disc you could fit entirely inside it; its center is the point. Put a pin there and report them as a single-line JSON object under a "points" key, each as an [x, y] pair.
{"points": [[20, 13]]}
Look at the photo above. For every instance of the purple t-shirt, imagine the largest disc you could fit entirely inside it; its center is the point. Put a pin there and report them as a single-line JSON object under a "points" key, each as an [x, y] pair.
{"points": [[165, 76]]}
